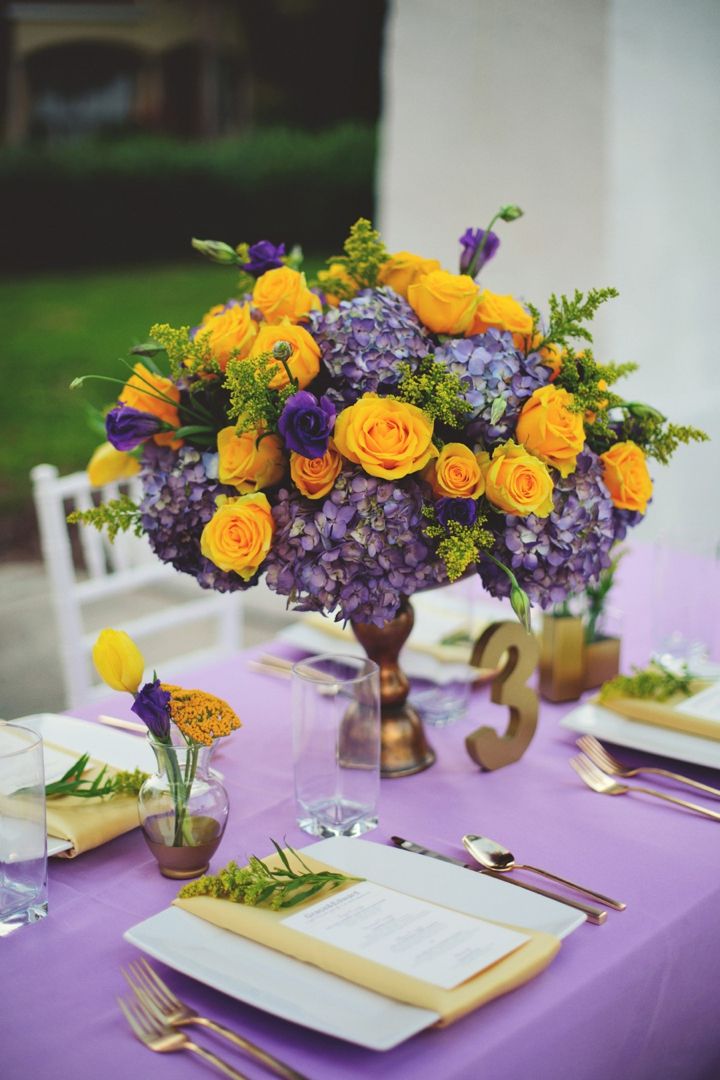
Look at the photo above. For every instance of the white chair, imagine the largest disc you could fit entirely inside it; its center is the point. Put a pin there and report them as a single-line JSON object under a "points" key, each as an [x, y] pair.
{"points": [[111, 575]]}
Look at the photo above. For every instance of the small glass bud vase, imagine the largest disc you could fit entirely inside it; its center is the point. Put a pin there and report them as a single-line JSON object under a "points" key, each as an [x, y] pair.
{"points": [[183, 809]]}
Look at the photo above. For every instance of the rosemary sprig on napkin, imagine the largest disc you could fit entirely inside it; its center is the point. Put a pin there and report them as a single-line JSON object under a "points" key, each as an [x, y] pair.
{"points": [[72, 782], [258, 883]]}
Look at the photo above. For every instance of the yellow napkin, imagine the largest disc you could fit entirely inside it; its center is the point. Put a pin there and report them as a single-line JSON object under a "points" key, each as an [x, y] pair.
{"points": [[87, 823], [266, 926], [664, 713]]}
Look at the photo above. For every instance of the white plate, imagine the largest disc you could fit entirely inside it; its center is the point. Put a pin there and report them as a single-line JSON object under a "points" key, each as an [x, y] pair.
{"points": [[605, 724], [117, 748], [306, 995]]}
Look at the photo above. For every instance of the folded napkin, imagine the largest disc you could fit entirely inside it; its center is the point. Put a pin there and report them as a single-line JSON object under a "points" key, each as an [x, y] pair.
{"points": [[266, 927], [87, 823], [667, 714]]}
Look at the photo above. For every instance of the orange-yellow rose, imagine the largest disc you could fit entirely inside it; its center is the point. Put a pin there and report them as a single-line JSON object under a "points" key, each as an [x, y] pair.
{"points": [[239, 534], [314, 477], [335, 272], [404, 269], [389, 438], [626, 476], [304, 362], [550, 430], [228, 330], [444, 302], [456, 473], [108, 464], [246, 464], [149, 392], [283, 293], [517, 483], [502, 313]]}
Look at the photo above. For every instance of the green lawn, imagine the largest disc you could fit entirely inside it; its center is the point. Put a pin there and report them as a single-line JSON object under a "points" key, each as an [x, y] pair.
{"points": [[60, 326]]}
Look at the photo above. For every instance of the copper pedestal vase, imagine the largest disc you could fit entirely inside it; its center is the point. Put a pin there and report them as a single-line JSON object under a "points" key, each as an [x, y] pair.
{"points": [[183, 810], [404, 748]]}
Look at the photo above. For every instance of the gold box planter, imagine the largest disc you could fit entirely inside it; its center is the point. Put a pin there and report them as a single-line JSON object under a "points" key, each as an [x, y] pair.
{"points": [[602, 662], [562, 657]]}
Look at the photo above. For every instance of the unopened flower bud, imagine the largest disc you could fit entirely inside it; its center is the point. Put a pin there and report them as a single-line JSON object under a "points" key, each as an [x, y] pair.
{"points": [[282, 351], [521, 606], [644, 412], [510, 213], [216, 250]]}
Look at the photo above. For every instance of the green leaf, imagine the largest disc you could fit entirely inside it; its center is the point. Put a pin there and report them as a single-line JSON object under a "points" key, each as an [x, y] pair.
{"points": [[193, 429]]}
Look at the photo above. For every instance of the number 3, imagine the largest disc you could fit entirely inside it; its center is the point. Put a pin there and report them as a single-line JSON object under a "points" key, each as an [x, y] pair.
{"points": [[521, 652]]}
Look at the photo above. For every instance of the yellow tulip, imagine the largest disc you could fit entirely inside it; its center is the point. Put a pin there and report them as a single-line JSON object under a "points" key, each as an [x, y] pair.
{"points": [[118, 660], [108, 464]]}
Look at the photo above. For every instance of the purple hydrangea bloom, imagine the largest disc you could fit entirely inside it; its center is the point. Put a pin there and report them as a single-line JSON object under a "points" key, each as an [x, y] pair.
{"points": [[555, 557], [492, 371], [362, 341], [264, 256], [126, 427], [470, 261], [358, 552], [305, 424], [464, 511], [152, 706], [179, 492]]}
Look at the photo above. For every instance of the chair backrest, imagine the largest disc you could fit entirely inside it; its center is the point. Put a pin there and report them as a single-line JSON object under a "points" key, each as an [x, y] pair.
{"points": [[109, 572]]}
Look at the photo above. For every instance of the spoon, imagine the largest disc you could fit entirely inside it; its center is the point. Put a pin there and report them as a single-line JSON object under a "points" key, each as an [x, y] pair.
{"points": [[495, 857]]}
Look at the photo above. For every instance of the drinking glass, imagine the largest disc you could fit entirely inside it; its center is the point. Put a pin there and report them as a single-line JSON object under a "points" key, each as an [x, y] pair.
{"points": [[23, 835], [336, 744]]}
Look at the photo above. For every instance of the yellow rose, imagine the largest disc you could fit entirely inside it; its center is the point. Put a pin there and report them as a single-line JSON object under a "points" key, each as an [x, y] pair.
{"points": [[626, 476], [502, 313], [549, 429], [304, 362], [228, 330], [247, 464], [444, 302], [456, 473], [517, 483], [149, 392], [239, 534], [337, 272], [314, 477], [283, 293], [108, 464], [387, 437], [404, 269], [118, 661]]}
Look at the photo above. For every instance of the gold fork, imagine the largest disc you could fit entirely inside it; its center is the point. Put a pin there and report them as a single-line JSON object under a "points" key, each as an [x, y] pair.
{"points": [[599, 781], [158, 999], [164, 1040], [604, 760]]}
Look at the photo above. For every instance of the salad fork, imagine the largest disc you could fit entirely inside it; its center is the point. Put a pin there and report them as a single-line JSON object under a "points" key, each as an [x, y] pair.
{"points": [[158, 999], [588, 771], [164, 1040], [609, 764]]}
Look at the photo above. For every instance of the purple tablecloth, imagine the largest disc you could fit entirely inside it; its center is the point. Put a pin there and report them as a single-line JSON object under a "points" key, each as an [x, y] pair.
{"points": [[637, 997]]}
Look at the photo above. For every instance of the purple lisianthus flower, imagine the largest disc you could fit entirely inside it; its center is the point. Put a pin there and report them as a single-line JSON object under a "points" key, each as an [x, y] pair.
{"points": [[264, 256], [478, 247], [305, 424], [464, 511], [152, 705], [126, 428]]}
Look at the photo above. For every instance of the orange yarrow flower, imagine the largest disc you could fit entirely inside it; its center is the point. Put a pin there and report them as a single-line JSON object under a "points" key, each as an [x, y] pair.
{"points": [[200, 716]]}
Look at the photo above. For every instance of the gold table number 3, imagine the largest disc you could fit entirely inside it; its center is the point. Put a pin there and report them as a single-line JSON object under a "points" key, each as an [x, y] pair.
{"points": [[515, 653]]}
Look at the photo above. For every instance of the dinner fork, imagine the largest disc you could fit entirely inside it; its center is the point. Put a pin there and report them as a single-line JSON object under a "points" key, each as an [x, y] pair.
{"points": [[599, 781], [157, 1036], [605, 761], [158, 999]]}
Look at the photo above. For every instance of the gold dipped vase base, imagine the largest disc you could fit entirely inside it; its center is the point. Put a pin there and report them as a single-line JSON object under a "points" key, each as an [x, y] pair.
{"points": [[404, 747]]}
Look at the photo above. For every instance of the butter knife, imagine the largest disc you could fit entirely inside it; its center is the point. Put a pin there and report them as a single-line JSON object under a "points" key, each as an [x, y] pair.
{"points": [[594, 915]]}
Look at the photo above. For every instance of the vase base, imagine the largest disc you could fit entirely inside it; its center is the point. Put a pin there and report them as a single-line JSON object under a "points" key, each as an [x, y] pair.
{"points": [[405, 749], [182, 875], [187, 860]]}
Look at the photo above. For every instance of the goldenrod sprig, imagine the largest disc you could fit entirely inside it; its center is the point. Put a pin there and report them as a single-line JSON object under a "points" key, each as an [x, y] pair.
{"points": [[435, 390], [252, 402], [116, 515], [364, 254], [655, 683]]}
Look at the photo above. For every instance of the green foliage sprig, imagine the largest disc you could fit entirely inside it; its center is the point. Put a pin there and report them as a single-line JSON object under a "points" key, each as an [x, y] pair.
{"points": [[459, 546], [257, 883], [596, 596], [655, 683], [435, 390], [569, 315], [253, 404], [657, 436], [116, 515], [72, 782], [187, 356], [364, 254]]}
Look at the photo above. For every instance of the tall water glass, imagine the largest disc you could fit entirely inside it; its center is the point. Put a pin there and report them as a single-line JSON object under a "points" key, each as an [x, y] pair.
{"points": [[336, 744], [23, 835]]}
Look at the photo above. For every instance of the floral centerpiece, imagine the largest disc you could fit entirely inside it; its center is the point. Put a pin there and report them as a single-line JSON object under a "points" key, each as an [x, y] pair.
{"points": [[183, 808], [382, 429]]}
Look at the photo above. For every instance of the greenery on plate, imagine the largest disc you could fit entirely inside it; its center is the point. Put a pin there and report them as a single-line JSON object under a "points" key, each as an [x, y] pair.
{"points": [[654, 683]]}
